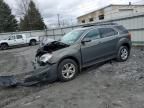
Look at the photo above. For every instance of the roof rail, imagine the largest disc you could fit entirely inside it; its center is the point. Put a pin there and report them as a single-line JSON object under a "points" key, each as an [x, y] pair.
{"points": [[98, 24]]}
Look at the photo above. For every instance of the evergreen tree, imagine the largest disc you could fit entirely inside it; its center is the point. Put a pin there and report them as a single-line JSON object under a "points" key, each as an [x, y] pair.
{"points": [[8, 23], [32, 20]]}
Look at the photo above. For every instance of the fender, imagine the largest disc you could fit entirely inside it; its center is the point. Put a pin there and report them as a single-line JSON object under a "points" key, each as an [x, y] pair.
{"points": [[123, 41], [73, 53], [4, 43], [32, 40]]}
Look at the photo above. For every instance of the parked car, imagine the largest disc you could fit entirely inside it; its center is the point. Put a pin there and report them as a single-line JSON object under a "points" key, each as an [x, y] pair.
{"points": [[18, 39], [81, 48]]}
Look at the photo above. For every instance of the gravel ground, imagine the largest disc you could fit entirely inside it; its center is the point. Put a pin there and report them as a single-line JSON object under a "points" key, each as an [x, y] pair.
{"points": [[106, 85]]}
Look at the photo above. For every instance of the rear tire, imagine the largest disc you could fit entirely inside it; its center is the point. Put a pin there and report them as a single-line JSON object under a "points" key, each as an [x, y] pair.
{"points": [[33, 42], [67, 70], [4, 46], [123, 54]]}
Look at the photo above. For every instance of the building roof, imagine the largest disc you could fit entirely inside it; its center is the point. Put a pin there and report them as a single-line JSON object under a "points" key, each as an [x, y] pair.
{"points": [[107, 7]]}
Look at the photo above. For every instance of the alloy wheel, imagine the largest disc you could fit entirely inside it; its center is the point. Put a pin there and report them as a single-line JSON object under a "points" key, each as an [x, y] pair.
{"points": [[68, 70], [124, 54]]}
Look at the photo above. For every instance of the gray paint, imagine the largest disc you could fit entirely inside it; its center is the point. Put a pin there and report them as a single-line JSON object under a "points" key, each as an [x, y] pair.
{"points": [[89, 53]]}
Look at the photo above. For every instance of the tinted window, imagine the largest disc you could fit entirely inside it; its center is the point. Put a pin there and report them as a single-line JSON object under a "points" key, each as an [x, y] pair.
{"points": [[19, 36], [83, 21], [93, 34], [101, 17], [121, 29], [107, 32], [91, 19]]}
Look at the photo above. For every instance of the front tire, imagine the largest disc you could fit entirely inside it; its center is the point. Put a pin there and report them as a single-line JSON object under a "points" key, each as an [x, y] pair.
{"points": [[123, 54], [67, 70], [4, 46]]}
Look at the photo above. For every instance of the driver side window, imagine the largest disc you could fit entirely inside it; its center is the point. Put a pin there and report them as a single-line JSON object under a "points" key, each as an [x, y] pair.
{"points": [[11, 37], [93, 34]]}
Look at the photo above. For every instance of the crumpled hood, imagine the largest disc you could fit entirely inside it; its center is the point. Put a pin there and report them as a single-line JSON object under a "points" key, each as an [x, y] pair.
{"points": [[51, 47]]}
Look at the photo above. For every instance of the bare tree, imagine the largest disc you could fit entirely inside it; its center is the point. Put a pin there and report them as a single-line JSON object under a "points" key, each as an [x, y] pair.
{"points": [[22, 7]]}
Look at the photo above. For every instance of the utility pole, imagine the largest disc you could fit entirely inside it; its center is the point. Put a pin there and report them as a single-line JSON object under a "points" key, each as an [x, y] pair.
{"points": [[58, 16], [63, 23], [71, 22]]}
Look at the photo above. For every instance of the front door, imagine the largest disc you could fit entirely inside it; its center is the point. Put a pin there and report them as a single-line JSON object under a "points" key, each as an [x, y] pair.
{"points": [[11, 41], [90, 51]]}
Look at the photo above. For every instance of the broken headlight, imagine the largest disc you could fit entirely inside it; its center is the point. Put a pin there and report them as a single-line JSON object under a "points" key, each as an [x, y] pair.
{"points": [[45, 58]]}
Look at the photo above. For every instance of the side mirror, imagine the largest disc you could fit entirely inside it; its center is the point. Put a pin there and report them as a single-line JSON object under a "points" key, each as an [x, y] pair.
{"points": [[86, 40]]}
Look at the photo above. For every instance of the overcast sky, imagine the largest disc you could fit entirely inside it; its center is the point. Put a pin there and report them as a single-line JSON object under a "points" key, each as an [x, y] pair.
{"points": [[68, 9]]}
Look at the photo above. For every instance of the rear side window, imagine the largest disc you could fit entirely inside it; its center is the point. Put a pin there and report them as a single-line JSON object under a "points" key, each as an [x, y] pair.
{"points": [[19, 36], [121, 29], [93, 34], [107, 32]]}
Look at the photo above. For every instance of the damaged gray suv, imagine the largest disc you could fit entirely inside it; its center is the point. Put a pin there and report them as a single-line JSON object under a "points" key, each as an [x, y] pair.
{"points": [[83, 47]]}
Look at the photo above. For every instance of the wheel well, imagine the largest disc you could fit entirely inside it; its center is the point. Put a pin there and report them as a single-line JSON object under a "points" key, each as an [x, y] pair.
{"points": [[4, 43], [72, 58], [33, 40], [127, 45]]}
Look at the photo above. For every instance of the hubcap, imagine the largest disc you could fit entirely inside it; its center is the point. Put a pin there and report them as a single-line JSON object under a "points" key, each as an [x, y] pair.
{"points": [[68, 70], [124, 54]]}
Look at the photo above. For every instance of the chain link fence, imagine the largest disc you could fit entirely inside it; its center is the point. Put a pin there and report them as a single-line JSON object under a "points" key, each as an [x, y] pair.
{"points": [[134, 23]]}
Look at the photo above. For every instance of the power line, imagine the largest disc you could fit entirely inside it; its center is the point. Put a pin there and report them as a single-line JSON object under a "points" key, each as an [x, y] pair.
{"points": [[68, 11], [58, 16], [109, 12]]}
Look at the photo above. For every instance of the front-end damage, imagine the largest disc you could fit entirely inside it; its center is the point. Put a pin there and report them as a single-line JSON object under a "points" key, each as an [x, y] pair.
{"points": [[43, 70], [51, 47], [45, 73]]}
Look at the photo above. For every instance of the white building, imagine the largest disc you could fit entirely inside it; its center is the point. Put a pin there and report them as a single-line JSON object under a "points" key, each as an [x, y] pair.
{"points": [[110, 12]]}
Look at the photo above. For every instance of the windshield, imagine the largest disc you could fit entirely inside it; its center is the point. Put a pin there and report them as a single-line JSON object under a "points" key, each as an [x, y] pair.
{"points": [[72, 37]]}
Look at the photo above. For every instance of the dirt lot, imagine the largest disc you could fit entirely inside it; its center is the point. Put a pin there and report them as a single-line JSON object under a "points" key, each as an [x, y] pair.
{"points": [[107, 85]]}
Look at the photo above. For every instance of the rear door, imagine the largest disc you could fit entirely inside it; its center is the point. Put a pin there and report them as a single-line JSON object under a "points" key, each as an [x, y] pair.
{"points": [[108, 41], [19, 39]]}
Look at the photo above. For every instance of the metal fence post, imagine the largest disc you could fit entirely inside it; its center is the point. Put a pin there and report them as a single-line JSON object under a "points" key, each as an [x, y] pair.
{"points": [[72, 27], [54, 34], [30, 34], [62, 32], [46, 32]]}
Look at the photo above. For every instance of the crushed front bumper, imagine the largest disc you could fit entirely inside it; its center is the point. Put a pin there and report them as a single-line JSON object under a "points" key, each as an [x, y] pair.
{"points": [[42, 73], [8, 81], [47, 73]]}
